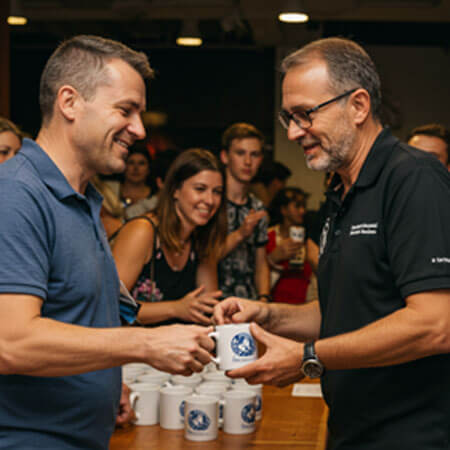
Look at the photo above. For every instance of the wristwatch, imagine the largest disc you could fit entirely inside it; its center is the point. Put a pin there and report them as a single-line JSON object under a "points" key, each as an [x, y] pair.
{"points": [[311, 365]]}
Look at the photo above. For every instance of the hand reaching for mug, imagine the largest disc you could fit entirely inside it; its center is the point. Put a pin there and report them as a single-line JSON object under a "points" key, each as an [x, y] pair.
{"points": [[180, 349], [280, 365], [239, 310], [197, 307]]}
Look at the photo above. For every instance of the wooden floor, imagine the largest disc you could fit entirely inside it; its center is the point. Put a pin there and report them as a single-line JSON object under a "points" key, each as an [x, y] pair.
{"points": [[288, 423]]}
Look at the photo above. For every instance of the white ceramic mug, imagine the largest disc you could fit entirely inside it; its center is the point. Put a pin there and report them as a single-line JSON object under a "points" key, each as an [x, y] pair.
{"points": [[239, 412], [192, 380], [217, 376], [217, 390], [235, 346], [144, 399], [131, 371], [159, 378], [172, 405], [201, 418], [240, 384]]}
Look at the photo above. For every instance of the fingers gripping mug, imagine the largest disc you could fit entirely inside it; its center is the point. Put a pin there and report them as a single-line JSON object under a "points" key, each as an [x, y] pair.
{"points": [[235, 346]]}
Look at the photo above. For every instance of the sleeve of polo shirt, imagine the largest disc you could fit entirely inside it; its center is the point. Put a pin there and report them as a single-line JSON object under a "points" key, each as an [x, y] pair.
{"points": [[24, 249], [417, 224]]}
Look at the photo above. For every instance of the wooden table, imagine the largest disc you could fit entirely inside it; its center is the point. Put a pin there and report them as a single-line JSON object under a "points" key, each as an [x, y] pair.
{"points": [[288, 423]]}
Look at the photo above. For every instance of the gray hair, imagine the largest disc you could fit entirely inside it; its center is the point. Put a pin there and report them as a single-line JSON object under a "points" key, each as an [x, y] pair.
{"points": [[348, 64], [81, 62]]}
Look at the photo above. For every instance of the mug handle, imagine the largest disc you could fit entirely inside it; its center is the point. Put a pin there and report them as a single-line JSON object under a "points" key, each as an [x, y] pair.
{"points": [[215, 335], [134, 396], [221, 408]]}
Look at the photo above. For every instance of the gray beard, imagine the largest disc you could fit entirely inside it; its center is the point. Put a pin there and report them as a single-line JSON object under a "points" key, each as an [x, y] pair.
{"points": [[334, 157]]}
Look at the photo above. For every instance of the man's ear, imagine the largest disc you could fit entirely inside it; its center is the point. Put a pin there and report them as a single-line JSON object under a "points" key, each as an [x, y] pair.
{"points": [[67, 101], [360, 106], [224, 156]]}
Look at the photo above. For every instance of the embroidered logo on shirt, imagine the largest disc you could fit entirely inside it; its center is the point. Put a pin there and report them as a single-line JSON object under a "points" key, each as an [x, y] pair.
{"points": [[440, 260], [324, 236], [364, 228]]}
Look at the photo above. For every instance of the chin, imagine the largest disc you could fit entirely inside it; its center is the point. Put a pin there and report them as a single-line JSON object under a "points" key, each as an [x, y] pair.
{"points": [[318, 164]]}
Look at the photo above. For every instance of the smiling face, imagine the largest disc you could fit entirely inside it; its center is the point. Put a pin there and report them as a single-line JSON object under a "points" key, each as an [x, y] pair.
{"points": [[328, 143], [198, 198], [243, 159], [110, 122], [137, 169], [9, 145]]}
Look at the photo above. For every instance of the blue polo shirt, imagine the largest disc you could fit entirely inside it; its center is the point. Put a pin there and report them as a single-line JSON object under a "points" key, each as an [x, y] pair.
{"points": [[53, 246]]}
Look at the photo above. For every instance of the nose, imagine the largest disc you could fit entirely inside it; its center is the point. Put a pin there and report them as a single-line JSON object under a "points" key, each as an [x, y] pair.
{"points": [[247, 159], [209, 197], [137, 127], [294, 132]]}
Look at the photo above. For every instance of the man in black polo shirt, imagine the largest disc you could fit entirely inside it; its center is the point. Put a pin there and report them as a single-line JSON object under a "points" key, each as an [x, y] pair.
{"points": [[379, 336]]}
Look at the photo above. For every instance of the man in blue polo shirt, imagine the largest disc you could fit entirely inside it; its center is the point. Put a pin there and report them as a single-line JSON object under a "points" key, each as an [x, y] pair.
{"points": [[61, 346], [379, 337]]}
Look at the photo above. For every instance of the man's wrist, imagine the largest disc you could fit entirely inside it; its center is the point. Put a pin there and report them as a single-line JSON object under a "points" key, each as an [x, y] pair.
{"points": [[312, 367], [264, 316]]}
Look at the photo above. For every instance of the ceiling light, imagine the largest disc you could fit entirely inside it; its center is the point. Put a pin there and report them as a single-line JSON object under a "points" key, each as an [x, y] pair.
{"points": [[293, 12], [189, 36], [16, 16]]}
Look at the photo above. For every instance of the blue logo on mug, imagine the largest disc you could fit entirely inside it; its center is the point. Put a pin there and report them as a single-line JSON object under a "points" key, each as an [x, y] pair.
{"points": [[181, 408], [243, 344], [198, 420], [258, 403], [248, 413]]}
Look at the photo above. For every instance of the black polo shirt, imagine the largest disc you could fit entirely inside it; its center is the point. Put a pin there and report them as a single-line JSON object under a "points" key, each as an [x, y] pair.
{"points": [[387, 239]]}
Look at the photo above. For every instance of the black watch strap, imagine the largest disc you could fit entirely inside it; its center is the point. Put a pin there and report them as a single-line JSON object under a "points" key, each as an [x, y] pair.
{"points": [[311, 365], [308, 351]]}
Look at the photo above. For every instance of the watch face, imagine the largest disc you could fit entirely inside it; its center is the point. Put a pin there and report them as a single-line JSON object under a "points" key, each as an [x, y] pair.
{"points": [[312, 368]]}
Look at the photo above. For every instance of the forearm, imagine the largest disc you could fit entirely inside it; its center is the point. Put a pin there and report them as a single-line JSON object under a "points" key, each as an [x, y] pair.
{"points": [[233, 240], [403, 336], [51, 348], [298, 322], [207, 275], [277, 255], [262, 279], [155, 312]]}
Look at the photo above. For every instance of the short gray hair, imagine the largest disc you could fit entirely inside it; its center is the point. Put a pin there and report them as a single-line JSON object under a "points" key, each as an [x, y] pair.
{"points": [[349, 66], [80, 62]]}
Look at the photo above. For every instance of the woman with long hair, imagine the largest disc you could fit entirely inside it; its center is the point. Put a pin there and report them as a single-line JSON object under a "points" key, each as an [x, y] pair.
{"points": [[168, 258]]}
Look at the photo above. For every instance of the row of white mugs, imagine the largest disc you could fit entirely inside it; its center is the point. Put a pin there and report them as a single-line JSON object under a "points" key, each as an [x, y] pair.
{"points": [[145, 373], [201, 412], [160, 397]]}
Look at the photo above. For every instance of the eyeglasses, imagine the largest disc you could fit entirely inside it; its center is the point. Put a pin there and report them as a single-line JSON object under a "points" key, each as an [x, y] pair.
{"points": [[302, 118]]}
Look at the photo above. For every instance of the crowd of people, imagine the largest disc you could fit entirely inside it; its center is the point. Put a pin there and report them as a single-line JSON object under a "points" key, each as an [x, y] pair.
{"points": [[361, 299]]}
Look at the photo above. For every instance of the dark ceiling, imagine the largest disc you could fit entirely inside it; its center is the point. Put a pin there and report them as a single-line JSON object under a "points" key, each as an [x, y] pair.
{"points": [[235, 22]]}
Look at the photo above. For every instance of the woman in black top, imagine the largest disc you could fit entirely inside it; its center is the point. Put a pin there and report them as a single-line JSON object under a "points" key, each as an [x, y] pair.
{"points": [[168, 259]]}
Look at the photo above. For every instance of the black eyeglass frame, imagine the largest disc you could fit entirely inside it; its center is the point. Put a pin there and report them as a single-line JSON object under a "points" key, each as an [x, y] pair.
{"points": [[285, 118]]}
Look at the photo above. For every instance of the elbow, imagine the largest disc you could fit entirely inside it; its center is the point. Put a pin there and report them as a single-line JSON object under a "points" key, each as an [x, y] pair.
{"points": [[439, 340]]}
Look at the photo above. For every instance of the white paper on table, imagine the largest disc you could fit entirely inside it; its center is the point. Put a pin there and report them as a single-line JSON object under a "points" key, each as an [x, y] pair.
{"points": [[306, 390]]}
